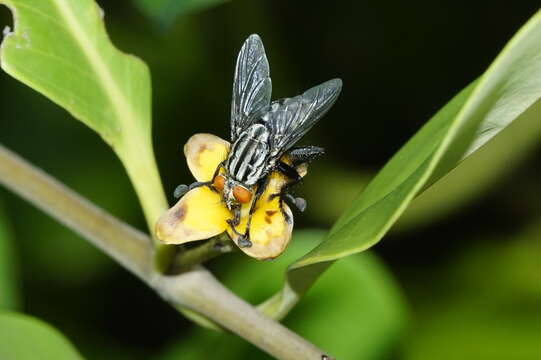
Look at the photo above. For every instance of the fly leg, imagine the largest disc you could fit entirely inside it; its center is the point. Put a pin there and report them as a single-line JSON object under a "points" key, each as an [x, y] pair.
{"points": [[304, 154], [287, 218], [289, 171], [244, 239], [283, 197], [298, 155], [235, 221], [182, 189], [298, 202], [292, 173]]}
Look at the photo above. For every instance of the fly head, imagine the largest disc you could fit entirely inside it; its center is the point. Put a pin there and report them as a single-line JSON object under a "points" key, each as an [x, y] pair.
{"points": [[234, 193]]}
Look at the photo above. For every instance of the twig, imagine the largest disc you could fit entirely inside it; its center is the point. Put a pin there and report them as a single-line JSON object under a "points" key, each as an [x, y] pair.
{"points": [[216, 302], [197, 289], [128, 246], [187, 259]]}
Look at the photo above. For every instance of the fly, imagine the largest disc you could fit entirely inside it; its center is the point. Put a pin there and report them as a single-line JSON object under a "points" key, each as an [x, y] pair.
{"points": [[263, 135]]}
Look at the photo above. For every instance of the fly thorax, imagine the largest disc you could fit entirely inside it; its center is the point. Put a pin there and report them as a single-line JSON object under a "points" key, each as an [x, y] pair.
{"points": [[249, 155]]}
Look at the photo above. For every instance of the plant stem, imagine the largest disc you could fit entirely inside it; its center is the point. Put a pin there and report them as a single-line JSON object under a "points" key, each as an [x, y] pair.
{"points": [[123, 243], [196, 290], [187, 259], [215, 301]]}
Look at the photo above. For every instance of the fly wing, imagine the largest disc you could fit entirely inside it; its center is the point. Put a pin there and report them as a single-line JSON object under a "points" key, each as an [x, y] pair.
{"points": [[289, 119], [251, 86]]}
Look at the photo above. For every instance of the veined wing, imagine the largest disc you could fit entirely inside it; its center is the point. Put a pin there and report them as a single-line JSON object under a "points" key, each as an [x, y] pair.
{"points": [[251, 86], [289, 119]]}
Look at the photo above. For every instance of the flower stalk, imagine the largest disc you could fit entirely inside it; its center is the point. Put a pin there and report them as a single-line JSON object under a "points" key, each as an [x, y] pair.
{"points": [[186, 259]]}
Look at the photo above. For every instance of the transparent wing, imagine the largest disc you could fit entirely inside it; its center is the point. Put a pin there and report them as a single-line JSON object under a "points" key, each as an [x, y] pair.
{"points": [[289, 119], [251, 86]]}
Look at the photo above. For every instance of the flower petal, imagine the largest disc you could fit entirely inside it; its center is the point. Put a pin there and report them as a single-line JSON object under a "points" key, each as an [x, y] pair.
{"points": [[200, 214], [271, 226], [204, 152]]}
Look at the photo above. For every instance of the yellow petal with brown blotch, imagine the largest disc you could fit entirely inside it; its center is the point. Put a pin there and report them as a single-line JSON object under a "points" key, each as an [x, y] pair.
{"points": [[198, 215], [271, 226], [204, 152], [201, 213]]}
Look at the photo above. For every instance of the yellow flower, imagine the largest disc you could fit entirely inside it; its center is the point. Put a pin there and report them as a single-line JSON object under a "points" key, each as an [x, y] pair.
{"points": [[201, 213]]}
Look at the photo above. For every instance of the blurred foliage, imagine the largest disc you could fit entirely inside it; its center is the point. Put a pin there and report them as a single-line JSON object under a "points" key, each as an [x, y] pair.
{"points": [[24, 337], [400, 62], [9, 285], [165, 12], [485, 303], [355, 310], [330, 190]]}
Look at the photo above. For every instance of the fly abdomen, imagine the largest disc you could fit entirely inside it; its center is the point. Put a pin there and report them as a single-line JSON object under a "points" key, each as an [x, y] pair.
{"points": [[248, 155]]}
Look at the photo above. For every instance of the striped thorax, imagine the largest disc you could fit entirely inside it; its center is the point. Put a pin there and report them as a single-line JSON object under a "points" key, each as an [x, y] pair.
{"points": [[248, 157]]}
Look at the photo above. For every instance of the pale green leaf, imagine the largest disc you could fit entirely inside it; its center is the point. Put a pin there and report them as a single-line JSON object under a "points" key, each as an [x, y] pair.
{"points": [[61, 49], [510, 86], [26, 338]]}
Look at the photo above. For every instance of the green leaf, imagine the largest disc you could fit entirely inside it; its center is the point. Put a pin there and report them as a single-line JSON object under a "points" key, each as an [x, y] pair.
{"points": [[26, 338], [9, 289], [366, 322], [165, 12], [510, 86], [61, 49], [478, 173], [367, 319]]}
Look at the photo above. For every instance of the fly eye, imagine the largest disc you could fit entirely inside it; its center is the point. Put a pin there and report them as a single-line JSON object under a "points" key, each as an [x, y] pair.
{"points": [[219, 182], [242, 194]]}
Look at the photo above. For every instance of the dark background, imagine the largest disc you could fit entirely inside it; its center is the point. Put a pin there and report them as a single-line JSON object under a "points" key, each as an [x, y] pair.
{"points": [[400, 62]]}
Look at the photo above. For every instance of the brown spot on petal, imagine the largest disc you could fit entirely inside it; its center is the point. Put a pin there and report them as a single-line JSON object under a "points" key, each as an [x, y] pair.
{"points": [[268, 215], [202, 148], [180, 213]]}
